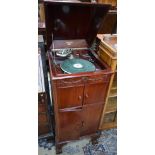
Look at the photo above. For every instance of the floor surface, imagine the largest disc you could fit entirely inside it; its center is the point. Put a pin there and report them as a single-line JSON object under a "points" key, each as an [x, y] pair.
{"points": [[107, 145]]}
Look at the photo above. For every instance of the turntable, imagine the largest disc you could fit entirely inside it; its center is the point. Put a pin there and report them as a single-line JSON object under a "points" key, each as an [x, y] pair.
{"points": [[79, 78], [77, 66]]}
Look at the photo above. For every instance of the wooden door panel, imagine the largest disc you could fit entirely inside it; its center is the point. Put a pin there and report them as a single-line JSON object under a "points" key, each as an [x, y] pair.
{"points": [[95, 93], [91, 118], [42, 118], [69, 125], [70, 97]]}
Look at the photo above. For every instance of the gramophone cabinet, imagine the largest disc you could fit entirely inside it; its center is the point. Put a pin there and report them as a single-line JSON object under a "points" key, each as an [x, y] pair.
{"points": [[78, 98]]}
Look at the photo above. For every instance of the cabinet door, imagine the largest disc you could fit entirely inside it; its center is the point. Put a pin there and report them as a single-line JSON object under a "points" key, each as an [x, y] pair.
{"points": [[69, 125], [91, 118], [95, 90], [70, 97]]}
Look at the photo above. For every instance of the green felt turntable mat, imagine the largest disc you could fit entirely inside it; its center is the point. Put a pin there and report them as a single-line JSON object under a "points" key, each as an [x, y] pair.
{"points": [[77, 66]]}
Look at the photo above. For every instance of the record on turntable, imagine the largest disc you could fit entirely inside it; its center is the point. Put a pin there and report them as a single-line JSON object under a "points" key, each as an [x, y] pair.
{"points": [[77, 66]]}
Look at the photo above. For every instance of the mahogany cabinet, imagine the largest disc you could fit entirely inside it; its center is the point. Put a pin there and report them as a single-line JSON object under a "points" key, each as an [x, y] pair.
{"points": [[78, 104], [78, 98]]}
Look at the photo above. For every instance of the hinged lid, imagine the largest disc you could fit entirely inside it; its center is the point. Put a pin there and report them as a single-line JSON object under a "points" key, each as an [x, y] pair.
{"points": [[76, 22]]}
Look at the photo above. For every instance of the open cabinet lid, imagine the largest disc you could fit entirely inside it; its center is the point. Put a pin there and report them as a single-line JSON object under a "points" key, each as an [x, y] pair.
{"points": [[79, 21]]}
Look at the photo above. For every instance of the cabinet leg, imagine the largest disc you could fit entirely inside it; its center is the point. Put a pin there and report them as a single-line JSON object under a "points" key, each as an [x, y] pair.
{"points": [[94, 138], [58, 148]]}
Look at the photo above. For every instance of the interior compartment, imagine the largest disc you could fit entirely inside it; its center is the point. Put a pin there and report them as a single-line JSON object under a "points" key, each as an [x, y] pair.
{"points": [[82, 54]]}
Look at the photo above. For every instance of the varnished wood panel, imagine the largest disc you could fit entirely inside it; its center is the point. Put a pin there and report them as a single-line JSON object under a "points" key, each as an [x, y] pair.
{"points": [[42, 117], [59, 22], [69, 125], [109, 24], [79, 122], [70, 96], [91, 117], [95, 93]]}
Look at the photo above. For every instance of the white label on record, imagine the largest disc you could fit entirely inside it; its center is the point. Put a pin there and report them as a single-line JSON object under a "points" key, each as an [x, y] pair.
{"points": [[78, 65]]}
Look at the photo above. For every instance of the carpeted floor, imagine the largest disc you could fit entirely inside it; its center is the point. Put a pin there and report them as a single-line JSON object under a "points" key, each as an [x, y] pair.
{"points": [[107, 145]]}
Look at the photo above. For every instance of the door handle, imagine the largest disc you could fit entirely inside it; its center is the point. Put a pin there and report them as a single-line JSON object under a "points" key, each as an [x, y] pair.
{"points": [[79, 97], [82, 123], [86, 95]]}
